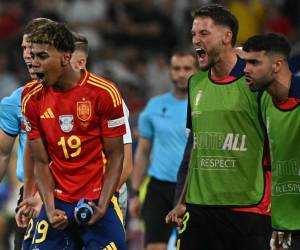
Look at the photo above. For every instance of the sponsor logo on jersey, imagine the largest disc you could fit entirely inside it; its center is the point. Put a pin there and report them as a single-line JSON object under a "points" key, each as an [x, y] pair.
{"points": [[116, 122], [84, 109], [47, 114], [27, 124], [66, 122]]}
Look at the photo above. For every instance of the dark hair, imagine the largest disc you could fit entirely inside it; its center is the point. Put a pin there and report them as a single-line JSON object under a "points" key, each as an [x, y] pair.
{"points": [[81, 42], [182, 53], [270, 42], [35, 24], [221, 16], [54, 34]]}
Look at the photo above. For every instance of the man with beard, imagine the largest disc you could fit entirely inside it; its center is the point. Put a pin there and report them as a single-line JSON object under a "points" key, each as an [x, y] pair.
{"points": [[163, 137], [267, 69], [224, 203]]}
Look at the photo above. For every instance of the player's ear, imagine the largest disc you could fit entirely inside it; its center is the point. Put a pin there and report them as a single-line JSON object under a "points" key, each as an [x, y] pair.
{"points": [[227, 37], [82, 63], [277, 65], [66, 58]]}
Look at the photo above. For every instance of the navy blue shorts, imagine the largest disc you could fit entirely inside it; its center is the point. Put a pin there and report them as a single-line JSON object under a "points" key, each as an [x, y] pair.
{"points": [[107, 233]]}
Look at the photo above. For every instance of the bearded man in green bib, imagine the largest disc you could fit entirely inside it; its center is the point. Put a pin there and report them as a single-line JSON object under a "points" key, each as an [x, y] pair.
{"points": [[224, 204], [267, 69]]}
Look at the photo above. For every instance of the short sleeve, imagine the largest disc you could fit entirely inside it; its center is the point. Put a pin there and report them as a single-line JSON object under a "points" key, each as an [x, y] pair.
{"points": [[30, 111], [127, 137], [11, 114], [145, 126], [111, 112]]}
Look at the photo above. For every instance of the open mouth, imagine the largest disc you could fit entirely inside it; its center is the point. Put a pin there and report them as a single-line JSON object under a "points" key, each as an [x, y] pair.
{"points": [[248, 80], [200, 52], [40, 76]]}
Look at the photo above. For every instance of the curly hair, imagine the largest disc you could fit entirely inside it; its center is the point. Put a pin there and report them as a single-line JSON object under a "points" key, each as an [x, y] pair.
{"points": [[54, 34]]}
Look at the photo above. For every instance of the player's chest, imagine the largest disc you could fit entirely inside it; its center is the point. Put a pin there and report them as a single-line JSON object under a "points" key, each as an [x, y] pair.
{"points": [[71, 114]]}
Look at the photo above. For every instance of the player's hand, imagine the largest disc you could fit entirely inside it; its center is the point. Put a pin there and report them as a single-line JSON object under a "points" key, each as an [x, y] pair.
{"points": [[135, 207], [58, 219], [27, 209], [175, 216], [99, 212], [23, 216]]}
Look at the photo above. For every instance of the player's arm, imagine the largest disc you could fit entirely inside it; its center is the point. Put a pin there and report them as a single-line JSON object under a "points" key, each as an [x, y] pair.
{"points": [[42, 173], [127, 141], [45, 182], [29, 182], [127, 163], [114, 152], [6, 145], [183, 168], [9, 129], [175, 216], [141, 162]]}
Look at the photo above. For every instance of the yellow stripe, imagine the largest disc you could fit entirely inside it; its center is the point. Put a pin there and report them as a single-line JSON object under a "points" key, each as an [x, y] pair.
{"points": [[107, 83], [50, 113], [178, 244], [108, 90], [110, 86], [105, 248], [108, 247], [104, 81], [46, 115], [42, 116], [29, 84], [117, 208], [27, 97], [113, 245]]}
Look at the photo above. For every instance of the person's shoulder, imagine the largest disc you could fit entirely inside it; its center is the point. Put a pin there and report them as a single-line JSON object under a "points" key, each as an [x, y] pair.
{"points": [[31, 87], [103, 87], [14, 98], [30, 92], [101, 83], [199, 75], [160, 98]]}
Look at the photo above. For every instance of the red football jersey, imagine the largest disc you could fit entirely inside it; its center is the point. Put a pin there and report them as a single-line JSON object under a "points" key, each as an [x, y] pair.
{"points": [[72, 124]]}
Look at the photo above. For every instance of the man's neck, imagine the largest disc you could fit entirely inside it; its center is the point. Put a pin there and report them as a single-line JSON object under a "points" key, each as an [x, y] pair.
{"points": [[279, 88], [224, 64], [69, 79], [180, 93]]}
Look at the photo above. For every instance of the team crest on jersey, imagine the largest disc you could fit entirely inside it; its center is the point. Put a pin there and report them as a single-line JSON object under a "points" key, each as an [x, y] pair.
{"points": [[84, 109], [66, 122], [26, 124]]}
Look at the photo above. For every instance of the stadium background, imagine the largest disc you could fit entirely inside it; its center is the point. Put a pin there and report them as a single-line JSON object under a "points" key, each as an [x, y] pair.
{"points": [[130, 42]]}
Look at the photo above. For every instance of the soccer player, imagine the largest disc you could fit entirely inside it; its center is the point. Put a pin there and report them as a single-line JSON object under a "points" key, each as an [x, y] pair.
{"points": [[267, 69], [79, 60], [76, 118], [226, 170], [11, 127], [163, 139]]}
